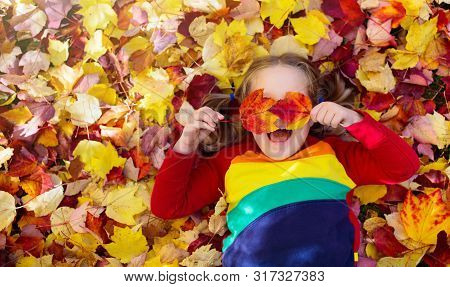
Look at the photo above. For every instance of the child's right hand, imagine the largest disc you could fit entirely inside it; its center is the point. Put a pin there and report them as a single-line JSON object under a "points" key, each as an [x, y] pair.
{"points": [[203, 123]]}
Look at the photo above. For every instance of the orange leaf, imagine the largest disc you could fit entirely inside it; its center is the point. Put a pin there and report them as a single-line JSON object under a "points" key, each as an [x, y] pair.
{"points": [[255, 115], [292, 109], [425, 216], [394, 11]]}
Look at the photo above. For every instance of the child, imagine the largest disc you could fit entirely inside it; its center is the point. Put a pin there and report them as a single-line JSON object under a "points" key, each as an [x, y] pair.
{"points": [[287, 190]]}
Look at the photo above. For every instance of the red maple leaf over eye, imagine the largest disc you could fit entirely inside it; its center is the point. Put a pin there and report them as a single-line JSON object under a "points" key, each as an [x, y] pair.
{"points": [[293, 107], [255, 115]]}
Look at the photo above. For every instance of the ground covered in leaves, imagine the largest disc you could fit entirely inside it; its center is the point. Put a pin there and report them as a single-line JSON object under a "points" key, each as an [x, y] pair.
{"points": [[89, 90]]}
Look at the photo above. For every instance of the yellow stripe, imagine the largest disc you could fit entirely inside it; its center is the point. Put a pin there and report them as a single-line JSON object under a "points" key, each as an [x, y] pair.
{"points": [[243, 177], [319, 148]]}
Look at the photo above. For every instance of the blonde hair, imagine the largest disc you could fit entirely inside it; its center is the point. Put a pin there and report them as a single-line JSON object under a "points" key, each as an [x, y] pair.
{"points": [[329, 86]]}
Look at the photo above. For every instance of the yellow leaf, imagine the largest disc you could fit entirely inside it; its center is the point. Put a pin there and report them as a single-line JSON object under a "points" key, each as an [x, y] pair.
{"points": [[31, 261], [135, 44], [85, 110], [104, 93], [403, 59], [279, 10], [441, 164], [373, 61], [409, 259], [97, 14], [154, 260], [126, 244], [228, 52], [44, 203], [122, 204], [18, 115], [48, 138], [95, 47], [309, 29], [381, 82], [85, 244], [98, 158], [203, 257], [370, 193], [8, 209], [286, 44], [64, 78], [412, 6], [373, 223], [425, 216], [434, 53], [371, 251], [419, 35], [60, 222], [59, 51]]}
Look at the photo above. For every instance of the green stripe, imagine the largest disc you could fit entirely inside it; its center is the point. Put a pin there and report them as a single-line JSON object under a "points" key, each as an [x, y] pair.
{"points": [[272, 196]]}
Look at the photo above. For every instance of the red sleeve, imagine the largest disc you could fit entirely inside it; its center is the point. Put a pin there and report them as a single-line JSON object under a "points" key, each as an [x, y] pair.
{"points": [[379, 157], [187, 183]]}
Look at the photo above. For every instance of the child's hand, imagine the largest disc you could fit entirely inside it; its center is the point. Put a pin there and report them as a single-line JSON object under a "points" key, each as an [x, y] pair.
{"points": [[203, 123], [332, 114]]}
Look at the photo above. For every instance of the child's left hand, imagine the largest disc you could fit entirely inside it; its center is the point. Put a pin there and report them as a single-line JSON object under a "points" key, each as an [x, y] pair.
{"points": [[332, 114]]}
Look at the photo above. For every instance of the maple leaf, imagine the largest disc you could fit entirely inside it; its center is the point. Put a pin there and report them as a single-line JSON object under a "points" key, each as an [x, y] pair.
{"points": [[122, 204], [37, 183], [293, 110], [93, 155], [254, 112], [203, 257], [312, 28], [425, 216], [59, 51], [419, 35], [126, 244], [31, 261], [410, 259], [97, 14], [278, 11]]}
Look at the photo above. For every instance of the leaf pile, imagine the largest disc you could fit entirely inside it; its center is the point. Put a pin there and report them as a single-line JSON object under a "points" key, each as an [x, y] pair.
{"points": [[89, 90]]}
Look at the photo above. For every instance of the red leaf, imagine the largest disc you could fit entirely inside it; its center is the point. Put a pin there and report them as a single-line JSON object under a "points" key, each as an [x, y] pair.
{"points": [[199, 87], [386, 242], [23, 163], [255, 115], [441, 254], [377, 101], [293, 107]]}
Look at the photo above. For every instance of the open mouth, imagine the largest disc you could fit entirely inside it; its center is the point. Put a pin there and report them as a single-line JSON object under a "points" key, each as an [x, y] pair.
{"points": [[280, 135]]}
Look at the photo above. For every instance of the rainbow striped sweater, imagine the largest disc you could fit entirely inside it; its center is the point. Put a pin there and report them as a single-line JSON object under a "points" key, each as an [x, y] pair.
{"points": [[288, 213]]}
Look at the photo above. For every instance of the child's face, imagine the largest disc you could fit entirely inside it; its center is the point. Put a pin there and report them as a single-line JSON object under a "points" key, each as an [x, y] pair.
{"points": [[276, 81]]}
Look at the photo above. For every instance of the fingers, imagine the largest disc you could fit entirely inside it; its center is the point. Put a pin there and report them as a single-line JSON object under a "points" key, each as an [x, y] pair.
{"points": [[202, 125], [315, 111], [208, 116], [336, 121], [328, 114]]}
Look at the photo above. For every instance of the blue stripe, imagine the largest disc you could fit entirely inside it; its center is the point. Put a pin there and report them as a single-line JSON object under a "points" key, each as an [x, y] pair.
{"points": [[309, 233]]}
